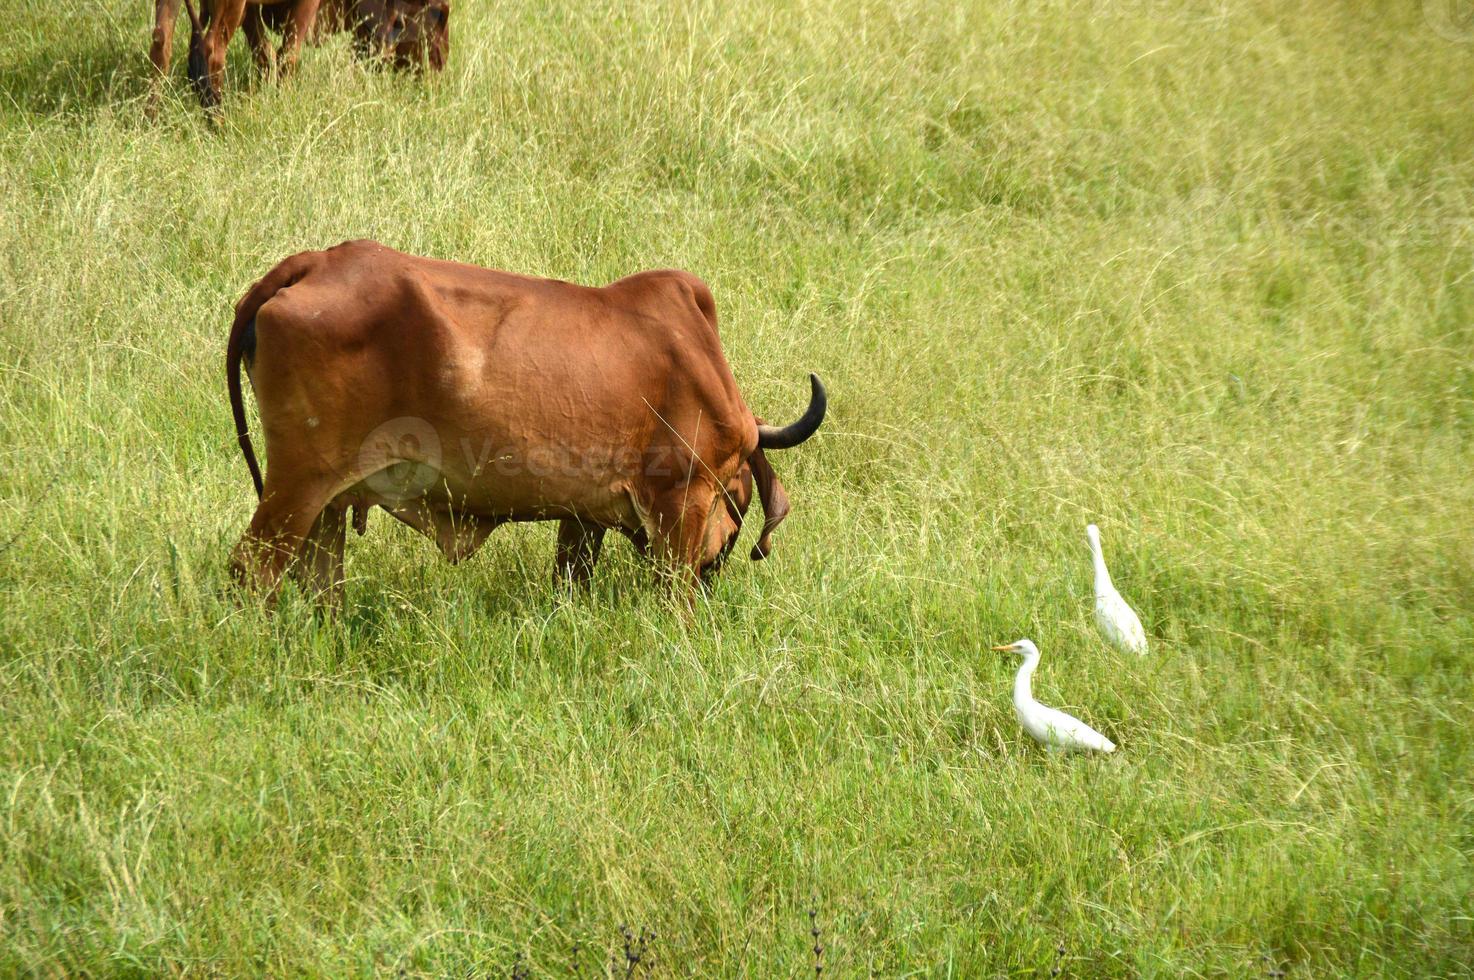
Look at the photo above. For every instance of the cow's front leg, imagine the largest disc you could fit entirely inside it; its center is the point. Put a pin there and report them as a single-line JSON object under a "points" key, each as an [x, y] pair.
{"points": [[208, 47], [299, 24], [166, 12], [679, 519], [578, 550]]}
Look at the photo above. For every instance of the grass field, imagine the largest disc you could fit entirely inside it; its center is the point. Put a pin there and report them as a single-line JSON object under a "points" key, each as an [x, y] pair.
{"points": [[1201, 272]]}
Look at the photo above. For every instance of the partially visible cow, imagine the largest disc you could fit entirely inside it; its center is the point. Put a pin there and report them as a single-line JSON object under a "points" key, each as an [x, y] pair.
{"points": [[458, 398], [408, 34], [211, 29]]}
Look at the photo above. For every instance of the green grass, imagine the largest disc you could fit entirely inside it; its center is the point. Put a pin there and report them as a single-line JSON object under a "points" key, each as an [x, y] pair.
{"points": [[1202, 272]]}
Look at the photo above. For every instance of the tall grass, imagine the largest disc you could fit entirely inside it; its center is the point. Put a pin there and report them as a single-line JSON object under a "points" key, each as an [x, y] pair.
{"points": [[1200, 272]]}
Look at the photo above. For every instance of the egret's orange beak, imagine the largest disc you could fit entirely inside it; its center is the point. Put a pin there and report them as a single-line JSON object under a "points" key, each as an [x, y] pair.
{"points": [[1008, 649]]}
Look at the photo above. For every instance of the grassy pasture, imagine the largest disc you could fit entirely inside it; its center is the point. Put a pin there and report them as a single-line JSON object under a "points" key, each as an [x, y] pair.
{"points": [[1200, 271]]}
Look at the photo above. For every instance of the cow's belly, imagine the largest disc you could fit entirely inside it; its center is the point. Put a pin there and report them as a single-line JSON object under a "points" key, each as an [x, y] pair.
{"points": [[503, 493], [472, 462], [458, 514]]}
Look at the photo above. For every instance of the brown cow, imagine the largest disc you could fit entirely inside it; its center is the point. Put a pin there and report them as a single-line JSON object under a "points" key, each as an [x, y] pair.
{"points": [[407, 34], [458, 398], [210, 34]]}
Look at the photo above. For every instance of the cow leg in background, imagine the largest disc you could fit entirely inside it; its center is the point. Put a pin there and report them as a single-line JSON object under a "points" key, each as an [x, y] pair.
{"points": [[259, 40], [299, 23], [640, 539], [319, 569], [458, 536], [166, 12], [680, 520], [279, 529], [578, 550], [207, 66]]}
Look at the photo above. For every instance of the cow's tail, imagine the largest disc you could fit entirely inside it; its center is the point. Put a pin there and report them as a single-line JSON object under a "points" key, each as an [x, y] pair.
{"points": [[242, 346]]}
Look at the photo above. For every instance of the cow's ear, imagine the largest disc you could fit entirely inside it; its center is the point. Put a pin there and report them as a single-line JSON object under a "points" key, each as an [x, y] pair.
{"points": [[774, 498]]}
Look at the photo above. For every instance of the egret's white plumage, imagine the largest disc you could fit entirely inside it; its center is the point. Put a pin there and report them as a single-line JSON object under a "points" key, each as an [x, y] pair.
{"points": [[1049, 726], [1117, 620]]}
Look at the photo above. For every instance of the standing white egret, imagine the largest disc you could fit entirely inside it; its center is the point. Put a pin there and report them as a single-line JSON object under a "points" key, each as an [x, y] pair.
{"points": [[1117, 620], [1049, 726]]}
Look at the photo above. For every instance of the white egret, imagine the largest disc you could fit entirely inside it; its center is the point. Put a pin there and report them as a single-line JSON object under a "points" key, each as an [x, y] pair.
{"points": [[1117, 620], [1049, 726]]}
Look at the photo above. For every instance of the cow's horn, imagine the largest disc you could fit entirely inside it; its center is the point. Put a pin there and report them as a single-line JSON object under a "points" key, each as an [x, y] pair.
{"points": [[788, 436]]}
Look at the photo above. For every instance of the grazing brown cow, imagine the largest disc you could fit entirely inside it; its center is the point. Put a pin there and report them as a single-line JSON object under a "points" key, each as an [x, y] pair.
{"points": [[210, 32], [458, 398], [407, 34]]}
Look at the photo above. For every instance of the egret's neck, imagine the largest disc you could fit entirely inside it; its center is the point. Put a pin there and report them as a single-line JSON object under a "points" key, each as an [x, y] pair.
{"points": [[1102, 574], [1023, 687]]}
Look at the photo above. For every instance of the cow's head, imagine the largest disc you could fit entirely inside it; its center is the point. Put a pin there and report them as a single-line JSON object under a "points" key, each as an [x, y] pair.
{"points": [[755, 470], [723, 530], [408, 34]]}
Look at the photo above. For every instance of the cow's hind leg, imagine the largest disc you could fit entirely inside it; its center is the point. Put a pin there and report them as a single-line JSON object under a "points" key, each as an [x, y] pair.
{"points": [[279, 530], [578, 550], [319, 568]]}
